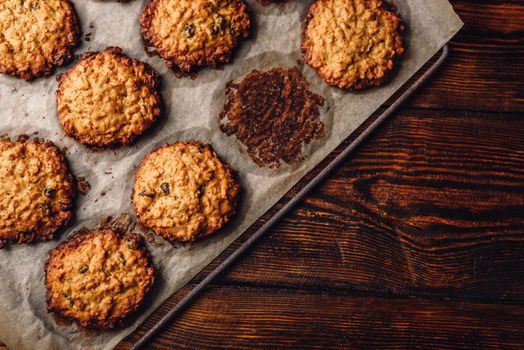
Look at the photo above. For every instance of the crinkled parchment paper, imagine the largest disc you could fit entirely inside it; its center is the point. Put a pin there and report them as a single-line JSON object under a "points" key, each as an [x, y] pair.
{"points": [[192, 113]]}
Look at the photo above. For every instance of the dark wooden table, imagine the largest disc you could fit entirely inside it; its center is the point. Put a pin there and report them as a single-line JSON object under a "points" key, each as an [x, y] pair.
{"points": [[417, 241]]}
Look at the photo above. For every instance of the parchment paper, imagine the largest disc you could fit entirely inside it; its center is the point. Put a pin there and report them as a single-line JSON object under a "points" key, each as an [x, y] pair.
{"points": [[192, 113]]}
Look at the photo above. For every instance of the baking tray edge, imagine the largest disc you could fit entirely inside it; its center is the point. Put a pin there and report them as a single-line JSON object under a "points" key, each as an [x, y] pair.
{"points": [[439, 58]]}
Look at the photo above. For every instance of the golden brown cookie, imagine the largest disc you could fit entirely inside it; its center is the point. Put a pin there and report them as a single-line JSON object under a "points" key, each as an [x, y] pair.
{"points": [[36, 191], [183, 192], [98, 278], [194, 33], [36, 36], [108, 98], [352, 44]]}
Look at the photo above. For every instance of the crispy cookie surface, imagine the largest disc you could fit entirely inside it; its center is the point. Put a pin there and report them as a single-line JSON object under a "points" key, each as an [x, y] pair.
{"points": [[273, 114], [352, 44], [183, 192], [108, 98], [98, 278], [194, 33], [36, 191], [36, 36]]}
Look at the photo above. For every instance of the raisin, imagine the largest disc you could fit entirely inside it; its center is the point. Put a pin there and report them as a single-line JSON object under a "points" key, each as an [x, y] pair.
{"points": [[189, 30], [164, 186], [50, 193], [70, 299], [145, 194]]}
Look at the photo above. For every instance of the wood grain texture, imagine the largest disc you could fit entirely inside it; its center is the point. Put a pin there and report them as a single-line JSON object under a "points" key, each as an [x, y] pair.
{"points": [[227, 317], [486, 66], [433, 204]]}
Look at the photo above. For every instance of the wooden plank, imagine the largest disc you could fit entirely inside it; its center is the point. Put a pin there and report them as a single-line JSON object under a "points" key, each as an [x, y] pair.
{"points": [[495, 17], [478, 78], [432, 205], [485, 70], [266, 318]]}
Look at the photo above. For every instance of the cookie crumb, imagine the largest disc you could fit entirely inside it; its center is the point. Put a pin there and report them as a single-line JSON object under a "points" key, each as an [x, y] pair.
{"points": [[83, 185]]}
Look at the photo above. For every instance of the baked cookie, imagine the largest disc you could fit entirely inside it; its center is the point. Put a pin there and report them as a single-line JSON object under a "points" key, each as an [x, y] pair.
{"points": [[352, 44], [108, 98], [98, 278], [36, 36], [36, 191], [195, 33], [273, 114], [183, 192]]}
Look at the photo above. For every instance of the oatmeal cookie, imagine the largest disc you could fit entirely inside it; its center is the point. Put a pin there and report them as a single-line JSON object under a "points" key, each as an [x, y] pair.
{"points": [[98, 278], [36, 36], [36, 191], [189, 34], [184, 192], [352, 44], [108, 98]]}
